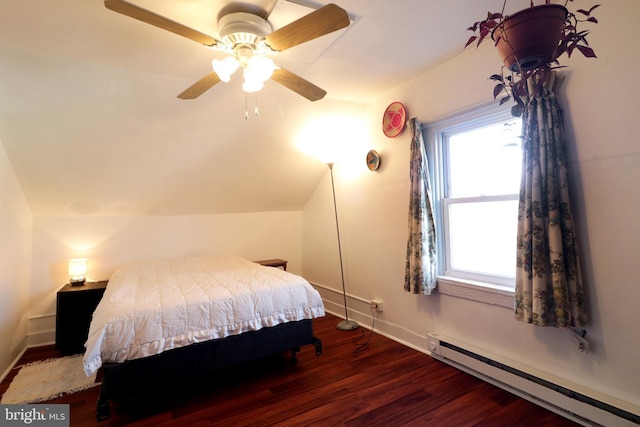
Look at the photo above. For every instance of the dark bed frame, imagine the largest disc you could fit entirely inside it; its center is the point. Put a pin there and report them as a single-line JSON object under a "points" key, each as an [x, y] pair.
{"points": [[122, 380]]}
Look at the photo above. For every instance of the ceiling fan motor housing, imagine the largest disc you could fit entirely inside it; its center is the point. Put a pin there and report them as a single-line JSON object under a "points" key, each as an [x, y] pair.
{"points": [[242, 28]]}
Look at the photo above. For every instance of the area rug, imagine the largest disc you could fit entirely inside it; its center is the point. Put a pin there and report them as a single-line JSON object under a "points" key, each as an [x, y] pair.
{"points": [[48, 379]]}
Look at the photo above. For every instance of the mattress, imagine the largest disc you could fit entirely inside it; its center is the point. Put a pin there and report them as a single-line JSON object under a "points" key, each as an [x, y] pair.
{"points": [[154, 306]]}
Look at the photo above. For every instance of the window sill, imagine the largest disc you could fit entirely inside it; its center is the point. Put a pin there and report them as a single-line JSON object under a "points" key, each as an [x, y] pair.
{"points": [[477, 291]]}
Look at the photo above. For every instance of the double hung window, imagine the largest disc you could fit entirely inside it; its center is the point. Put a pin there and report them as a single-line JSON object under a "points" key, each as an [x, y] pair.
{"points": [[477, 178]]}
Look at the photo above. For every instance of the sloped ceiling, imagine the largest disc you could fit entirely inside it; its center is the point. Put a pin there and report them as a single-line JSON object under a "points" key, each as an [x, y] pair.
{"points": [[92, 126]]}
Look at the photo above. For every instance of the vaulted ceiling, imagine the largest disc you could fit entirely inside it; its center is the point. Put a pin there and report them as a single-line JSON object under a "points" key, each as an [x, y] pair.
{"points": [[92, 126]]}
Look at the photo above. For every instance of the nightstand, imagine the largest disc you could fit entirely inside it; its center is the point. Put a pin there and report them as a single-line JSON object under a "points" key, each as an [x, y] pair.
{"points": [[273, 263], [74, 309]]}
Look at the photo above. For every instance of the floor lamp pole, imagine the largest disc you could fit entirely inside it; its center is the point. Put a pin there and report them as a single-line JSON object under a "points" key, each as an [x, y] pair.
{"points": [[345, 325]]}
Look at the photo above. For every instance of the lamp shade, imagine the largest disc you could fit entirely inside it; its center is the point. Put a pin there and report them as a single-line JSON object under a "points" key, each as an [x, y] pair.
{"points": [[257, 71], [260, 67], [78, 269], [225, 68]]}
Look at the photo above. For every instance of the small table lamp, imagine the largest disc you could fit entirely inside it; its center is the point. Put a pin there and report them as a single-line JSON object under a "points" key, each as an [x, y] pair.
{"points": [[77, 271]]}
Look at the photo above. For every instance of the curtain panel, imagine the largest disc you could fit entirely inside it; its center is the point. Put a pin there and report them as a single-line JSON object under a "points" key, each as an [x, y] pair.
{"points": [[549, 289], [420, 270]]}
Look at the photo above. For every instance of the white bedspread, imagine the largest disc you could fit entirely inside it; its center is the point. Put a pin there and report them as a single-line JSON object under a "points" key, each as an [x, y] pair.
{"points": [[151, 307]]}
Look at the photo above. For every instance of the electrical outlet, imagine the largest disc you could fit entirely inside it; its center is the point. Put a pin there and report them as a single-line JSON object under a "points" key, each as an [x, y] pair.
{"points": [[376, 305]]}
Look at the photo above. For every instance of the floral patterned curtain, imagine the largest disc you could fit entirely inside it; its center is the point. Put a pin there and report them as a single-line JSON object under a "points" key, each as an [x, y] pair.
{"points": [[549, 290], [420, 271]]}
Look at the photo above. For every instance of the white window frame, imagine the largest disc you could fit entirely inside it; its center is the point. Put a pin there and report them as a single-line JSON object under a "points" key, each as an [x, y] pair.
{"points": [[494, 290]]}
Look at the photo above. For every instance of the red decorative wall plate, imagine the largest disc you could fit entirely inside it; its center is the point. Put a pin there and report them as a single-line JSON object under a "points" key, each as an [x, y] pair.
{"points": [[394, 119]]}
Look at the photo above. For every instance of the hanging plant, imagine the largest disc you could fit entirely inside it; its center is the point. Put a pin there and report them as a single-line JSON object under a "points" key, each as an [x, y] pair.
{"points": [[530, 42]]}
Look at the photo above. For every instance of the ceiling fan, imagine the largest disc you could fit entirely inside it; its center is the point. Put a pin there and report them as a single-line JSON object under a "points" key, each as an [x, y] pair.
{"points": [[248, 39]]}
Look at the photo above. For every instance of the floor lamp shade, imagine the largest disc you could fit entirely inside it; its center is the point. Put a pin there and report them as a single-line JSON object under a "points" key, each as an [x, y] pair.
{"points": [[346, 324]]}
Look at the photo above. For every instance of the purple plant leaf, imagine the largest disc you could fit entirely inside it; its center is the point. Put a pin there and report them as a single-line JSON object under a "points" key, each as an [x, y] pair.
{"points": [[471, 40], [586, 51]]}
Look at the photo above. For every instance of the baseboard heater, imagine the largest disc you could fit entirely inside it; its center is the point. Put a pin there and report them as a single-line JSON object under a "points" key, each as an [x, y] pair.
{"points": [[585, 407]]}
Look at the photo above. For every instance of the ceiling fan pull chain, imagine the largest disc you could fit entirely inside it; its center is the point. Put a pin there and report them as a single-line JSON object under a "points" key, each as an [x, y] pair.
{"points": [[257, 113], [246, 110]]}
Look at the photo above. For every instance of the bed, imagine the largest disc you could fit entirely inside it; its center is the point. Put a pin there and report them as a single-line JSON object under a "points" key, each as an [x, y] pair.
{"points": [[164, 321]]}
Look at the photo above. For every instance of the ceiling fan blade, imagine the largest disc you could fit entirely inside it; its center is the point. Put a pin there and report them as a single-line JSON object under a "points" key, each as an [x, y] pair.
{"points": [[323, 21], [200, 87], [298, 84], [149, 17]]}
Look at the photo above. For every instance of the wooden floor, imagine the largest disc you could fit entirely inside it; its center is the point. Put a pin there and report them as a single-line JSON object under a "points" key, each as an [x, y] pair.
{"points": [[387, 384]]}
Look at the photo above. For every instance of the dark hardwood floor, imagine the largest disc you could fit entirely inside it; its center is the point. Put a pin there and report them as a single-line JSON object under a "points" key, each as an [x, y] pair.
{"points": [[387, 384]]}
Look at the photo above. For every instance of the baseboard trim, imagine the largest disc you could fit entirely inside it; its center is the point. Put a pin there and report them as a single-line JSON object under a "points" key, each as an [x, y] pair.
{"points": [[359, 309], [13, 364], [41, 338], [41, 329]]}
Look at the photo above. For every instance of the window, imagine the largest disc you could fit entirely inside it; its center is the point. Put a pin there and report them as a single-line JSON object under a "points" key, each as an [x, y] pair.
{"points": [[477, 161]]}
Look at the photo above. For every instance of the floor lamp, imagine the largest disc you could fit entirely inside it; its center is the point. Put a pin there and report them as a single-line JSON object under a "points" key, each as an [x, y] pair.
{"points": [[345, 325]]}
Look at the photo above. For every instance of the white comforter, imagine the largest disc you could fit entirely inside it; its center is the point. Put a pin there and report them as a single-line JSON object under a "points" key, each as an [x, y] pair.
{"points": [[151, 307]]}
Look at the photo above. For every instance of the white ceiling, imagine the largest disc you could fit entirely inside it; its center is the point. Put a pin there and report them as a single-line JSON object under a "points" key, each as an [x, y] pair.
{"points": [[92, 126]]}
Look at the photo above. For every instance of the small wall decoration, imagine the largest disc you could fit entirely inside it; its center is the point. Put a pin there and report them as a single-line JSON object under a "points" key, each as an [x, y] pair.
{"points": [[373, 160], [394, 119]]}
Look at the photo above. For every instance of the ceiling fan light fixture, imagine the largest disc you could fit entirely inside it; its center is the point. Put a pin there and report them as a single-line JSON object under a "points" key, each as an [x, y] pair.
{"points": [[258, 69], [245, 35], [260, 66], [225, 68], [251, 86]]}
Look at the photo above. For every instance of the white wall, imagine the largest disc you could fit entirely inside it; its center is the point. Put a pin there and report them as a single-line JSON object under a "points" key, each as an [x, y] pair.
{"points": [[15, 261], [601, 110], [109, 242]]}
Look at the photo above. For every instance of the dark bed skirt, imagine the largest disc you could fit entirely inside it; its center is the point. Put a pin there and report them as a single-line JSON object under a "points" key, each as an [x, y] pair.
{"points": [[122, 380]]}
